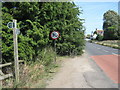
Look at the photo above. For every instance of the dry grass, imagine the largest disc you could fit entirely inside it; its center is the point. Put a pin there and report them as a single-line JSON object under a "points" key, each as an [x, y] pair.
{"points": [[33, 75], [109, 43]]}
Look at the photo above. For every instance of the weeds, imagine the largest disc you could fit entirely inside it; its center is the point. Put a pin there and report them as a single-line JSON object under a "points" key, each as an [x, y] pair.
{"points": [[109, 43], [35, 74]]}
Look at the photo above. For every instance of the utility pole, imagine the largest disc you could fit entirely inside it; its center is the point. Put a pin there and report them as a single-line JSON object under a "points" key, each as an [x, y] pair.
{"points": [[16, 63]]}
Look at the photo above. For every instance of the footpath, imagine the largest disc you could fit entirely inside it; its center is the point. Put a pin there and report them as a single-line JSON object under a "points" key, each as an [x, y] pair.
{"points": [[80, 72]]}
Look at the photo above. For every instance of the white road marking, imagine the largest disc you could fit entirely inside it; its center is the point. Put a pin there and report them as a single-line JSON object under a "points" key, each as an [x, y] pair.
{"points": [[115, 50], [105, 50], [98, 48], [115, 54]]}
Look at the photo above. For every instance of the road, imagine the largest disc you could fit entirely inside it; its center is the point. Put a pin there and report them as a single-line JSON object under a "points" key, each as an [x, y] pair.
{"points": [[96, 68], [95, 49], [106, 58]]}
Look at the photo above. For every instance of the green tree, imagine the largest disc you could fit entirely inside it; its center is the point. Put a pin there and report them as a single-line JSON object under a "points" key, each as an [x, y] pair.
{"points": [[7, 38], [119, 26], [110, 25], [99, 37], [88, 36], [36, 20]]}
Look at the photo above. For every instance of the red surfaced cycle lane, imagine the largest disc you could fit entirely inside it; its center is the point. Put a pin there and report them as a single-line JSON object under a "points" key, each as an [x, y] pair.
{"points": [[109, 64]]}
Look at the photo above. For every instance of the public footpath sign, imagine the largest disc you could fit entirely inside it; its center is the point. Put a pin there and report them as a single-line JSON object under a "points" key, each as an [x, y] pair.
{"points": [[55, 35], [10, 25], [17, 31]]}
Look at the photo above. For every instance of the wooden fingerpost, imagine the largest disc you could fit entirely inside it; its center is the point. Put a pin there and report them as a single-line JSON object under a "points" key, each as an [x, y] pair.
{"points": [[16, 63]]}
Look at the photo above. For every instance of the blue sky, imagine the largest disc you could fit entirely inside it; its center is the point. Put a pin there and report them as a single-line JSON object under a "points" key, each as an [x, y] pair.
{"points": [[93, 13]]}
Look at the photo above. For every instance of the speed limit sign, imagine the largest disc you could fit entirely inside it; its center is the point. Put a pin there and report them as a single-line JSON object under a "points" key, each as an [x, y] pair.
{"points": [[55, 35]]}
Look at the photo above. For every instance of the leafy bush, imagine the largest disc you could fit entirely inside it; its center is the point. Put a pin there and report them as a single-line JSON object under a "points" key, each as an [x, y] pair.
{"points": [[99, 37], [36, 27], [110, 25], [46, 56]]}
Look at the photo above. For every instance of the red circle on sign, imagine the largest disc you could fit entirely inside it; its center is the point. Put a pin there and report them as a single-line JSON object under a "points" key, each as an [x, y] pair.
{"points": [[54, 37]]}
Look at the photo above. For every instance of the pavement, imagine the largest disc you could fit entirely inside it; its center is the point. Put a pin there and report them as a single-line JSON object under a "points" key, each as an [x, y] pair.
{"points": [[96, 68]]}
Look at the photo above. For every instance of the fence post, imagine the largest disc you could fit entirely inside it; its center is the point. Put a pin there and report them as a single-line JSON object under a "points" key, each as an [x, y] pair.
{"points": [[16, 63]]}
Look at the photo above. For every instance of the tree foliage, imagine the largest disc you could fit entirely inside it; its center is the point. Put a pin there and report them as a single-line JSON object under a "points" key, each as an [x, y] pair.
{"points": [[99, 37], [110, 25], [36, 20]]}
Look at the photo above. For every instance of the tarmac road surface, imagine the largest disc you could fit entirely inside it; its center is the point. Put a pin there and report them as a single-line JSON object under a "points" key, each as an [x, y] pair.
{"points": [[106, 58], [96, 68]]}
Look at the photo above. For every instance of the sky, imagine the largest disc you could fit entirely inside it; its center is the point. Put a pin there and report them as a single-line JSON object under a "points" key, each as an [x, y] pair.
{"points": [[93, 13]]}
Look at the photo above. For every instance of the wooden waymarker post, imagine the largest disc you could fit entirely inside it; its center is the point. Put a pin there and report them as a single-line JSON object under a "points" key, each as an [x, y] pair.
{"points": [[16, 63]]}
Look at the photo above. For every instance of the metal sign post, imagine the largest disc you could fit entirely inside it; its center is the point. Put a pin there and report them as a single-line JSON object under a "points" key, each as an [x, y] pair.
{"points": [[55, 35], [16, 63], [55, 49]]}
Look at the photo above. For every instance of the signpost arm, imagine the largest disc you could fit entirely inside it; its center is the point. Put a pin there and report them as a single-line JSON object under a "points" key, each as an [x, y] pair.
{"points": [[16, 64]]}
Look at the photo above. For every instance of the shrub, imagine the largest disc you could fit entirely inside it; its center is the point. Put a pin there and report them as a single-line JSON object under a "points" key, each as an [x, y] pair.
{"points": [[46, 56], [99, 37], [35, 29]]}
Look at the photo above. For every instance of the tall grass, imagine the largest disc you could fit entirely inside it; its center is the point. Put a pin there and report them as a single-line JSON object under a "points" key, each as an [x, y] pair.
{"points": [[34, 74]]}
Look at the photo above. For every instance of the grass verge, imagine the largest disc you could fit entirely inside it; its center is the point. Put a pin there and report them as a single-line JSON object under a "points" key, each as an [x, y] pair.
{"points": [[109, 43], [35, 74]]}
